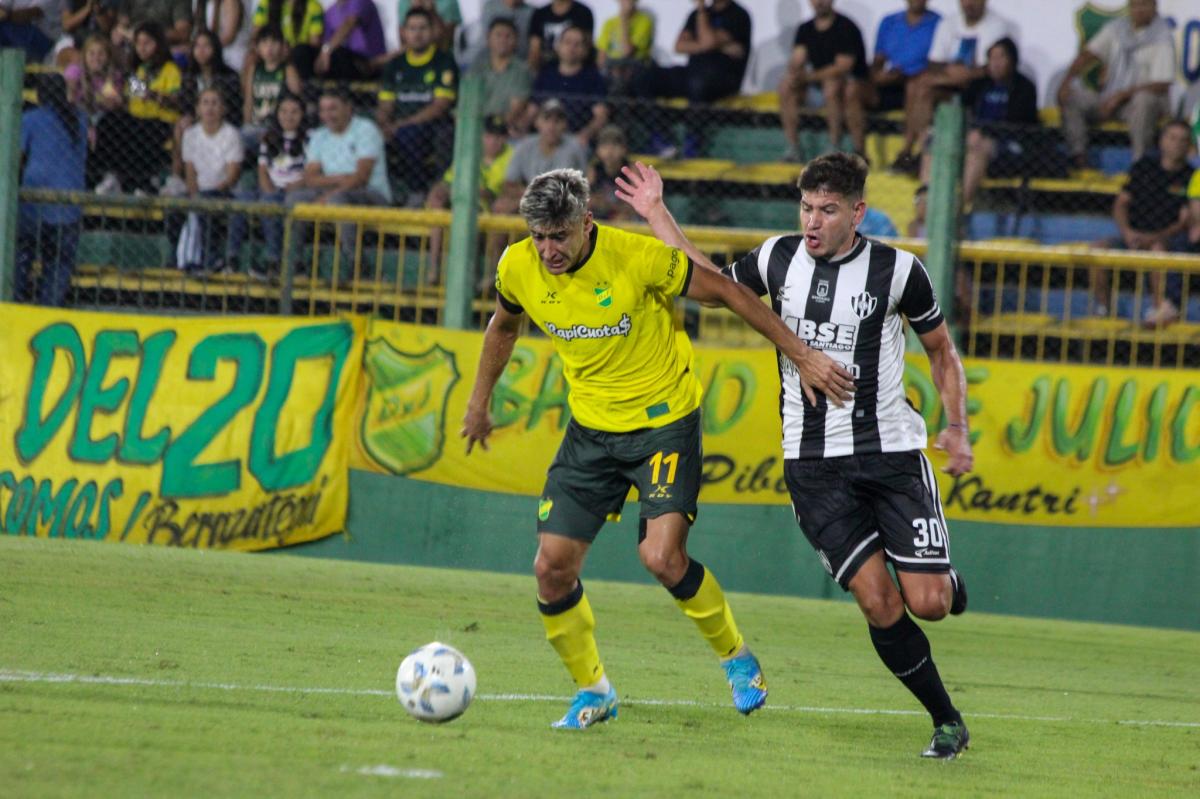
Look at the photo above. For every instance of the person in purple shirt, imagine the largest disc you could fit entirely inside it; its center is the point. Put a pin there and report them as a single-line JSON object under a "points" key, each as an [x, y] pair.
{"points": [[577, 83], [352, 40], [901, 53]]}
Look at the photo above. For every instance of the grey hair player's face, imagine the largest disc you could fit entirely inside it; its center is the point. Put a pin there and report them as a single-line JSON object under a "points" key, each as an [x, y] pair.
{"points": [[828, 220], [561, 248]]}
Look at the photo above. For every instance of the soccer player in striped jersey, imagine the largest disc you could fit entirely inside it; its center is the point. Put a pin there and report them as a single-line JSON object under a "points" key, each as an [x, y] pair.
{"points": [[604, 297], [862, 489]]}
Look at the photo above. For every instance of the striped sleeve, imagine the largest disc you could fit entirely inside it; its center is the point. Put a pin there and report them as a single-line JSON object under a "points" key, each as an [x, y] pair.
{"points": [[746, 270], [918, 303]]}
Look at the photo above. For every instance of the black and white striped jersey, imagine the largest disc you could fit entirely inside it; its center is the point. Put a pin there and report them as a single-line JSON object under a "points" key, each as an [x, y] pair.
{"points": [[850, 308]]}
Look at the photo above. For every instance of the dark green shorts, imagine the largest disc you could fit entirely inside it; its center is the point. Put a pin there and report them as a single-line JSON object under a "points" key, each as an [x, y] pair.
{"points": [[593, 471]]}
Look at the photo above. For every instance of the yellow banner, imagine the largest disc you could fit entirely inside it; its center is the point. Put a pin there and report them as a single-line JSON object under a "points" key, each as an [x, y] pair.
{"points": [[230, 432], [1057, 445]]}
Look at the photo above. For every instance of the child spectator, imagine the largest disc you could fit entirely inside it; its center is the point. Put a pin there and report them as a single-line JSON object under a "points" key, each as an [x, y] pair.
{"points": [[94, 82], [624, 45], [302, 23], [212, 164], [131, 146], [53, 156], [265, 83], [280, 168], [206, 69], [611, 158], [575, 82], [353, 39]]}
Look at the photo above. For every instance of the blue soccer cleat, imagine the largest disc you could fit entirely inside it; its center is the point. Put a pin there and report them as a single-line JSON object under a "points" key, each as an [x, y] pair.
{"points": [[747, 683], [588, 708]]}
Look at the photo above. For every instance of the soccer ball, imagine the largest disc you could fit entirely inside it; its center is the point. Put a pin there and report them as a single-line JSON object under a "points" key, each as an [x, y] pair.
{"points": [[435, 683]]}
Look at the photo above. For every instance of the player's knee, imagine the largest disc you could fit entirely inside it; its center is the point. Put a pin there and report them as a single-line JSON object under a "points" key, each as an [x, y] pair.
{"points": [[665, 563], [931, 605], [881, 608], [555, 578]]}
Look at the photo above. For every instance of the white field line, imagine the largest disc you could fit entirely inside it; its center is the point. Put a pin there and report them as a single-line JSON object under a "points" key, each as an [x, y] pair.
{"points": [[17, 676]]}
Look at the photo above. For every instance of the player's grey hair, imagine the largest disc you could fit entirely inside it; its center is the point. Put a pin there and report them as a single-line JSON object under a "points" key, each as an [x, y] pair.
{"points": [[555, 200]]}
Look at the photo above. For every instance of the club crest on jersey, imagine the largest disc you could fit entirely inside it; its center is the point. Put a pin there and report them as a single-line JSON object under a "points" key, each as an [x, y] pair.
{"points": [[822, 293], [863, 304], [603, 295]]}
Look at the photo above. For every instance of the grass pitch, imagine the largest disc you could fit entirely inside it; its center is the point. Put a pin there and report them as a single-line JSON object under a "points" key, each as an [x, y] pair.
{"points": [[135, 671]]}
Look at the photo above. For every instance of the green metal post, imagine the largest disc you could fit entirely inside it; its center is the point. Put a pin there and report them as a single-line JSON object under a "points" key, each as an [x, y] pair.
{"points": [[12, 76], [942, 214], [464, 205]]}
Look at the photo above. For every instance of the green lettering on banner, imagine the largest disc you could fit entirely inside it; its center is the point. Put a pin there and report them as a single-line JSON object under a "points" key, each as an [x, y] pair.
{"points": [[36, 430], [1155, 411], [96, 399], [1181, 451], [508, 403], [552, 395], [135, 448], [181, 475], [1119, 452], [1078, 442], [50, 509], [77, 521], [739, 377], [282, 472], [1018, 437]]}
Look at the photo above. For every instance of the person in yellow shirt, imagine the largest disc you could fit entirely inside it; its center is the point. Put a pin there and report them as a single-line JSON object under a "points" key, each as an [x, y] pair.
{"points": [[624, 45], [605, 299]]}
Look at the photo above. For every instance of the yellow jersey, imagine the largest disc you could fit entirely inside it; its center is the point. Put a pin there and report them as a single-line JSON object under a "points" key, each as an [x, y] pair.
{"points": [[611, 322]]}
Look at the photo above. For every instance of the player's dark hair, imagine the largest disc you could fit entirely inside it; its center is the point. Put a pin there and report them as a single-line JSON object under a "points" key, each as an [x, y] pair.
{"points": [[837, 173]]}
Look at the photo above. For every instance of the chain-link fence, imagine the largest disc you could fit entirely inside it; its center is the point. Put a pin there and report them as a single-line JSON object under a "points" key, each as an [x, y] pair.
{"points": [[139, 243]]}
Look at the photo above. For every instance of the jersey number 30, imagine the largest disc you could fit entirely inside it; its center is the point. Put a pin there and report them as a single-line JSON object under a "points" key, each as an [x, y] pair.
{"points": [[929, 533]]}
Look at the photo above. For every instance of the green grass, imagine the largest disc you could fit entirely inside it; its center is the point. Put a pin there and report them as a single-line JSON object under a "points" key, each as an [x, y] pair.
{"points": [[1045, 701]]}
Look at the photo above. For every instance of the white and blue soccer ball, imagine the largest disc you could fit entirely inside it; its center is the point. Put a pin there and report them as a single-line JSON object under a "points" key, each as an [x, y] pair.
{"points": [[435, 683]]}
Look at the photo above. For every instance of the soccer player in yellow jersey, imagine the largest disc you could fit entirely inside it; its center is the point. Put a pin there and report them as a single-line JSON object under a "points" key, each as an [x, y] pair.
{"points": [[605, 297]]}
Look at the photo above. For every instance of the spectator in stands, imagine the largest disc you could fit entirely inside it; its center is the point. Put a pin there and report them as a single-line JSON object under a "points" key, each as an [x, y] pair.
{"points": [[902, 46], [444, 15], [265, 83], [506, 79], [549, 148], [1004, 112], [212, 163], [281, 162], [302, 23], [228, 20], [32, 26], [624, 46], [612, 155], [174, 17], [53, 154], [206, 69], [518, 12], [1151, 213], [1193, 190], [548, 23], [1137, 53], [576, 83], [83, 19], [828, 69], [130, 146], [352, 41], [716, 40], [916, 226], [416, 99], [493, 165], [957, 57], [95, 83]]}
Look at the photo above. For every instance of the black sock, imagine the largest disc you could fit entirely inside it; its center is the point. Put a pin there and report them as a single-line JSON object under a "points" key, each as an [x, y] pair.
{"points": [[904, 649]]}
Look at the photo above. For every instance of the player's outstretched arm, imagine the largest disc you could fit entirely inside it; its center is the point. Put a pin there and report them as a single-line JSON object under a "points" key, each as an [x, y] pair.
{"points": [[498, 341], [817, 370], [641, 187], [947, 371]]}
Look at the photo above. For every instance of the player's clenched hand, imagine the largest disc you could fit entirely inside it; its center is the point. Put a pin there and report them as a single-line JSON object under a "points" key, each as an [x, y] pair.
{"points": [[477, 426], [641, 187], [820, 372], [956, 442]]}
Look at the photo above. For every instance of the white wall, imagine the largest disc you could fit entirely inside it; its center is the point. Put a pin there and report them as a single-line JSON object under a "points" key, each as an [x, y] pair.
{"points": [[1048, 39]]}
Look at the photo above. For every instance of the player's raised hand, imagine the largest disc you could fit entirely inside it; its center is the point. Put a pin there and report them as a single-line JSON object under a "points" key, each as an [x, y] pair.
{"points": [[641, 187], [819, 372], [477, 426], [956, 442]]}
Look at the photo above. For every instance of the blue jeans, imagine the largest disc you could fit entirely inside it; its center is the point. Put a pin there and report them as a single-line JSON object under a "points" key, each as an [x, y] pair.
{"points": [[53, 245], [272, 226]]}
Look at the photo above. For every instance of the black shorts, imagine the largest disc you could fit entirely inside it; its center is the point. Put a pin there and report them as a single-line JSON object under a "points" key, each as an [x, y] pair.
{"points": [[593, 470], [853, 506]]}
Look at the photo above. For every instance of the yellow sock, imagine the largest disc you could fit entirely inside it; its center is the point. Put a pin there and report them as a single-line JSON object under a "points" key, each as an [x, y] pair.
{"points": [[699, 595], [569, 624]]}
